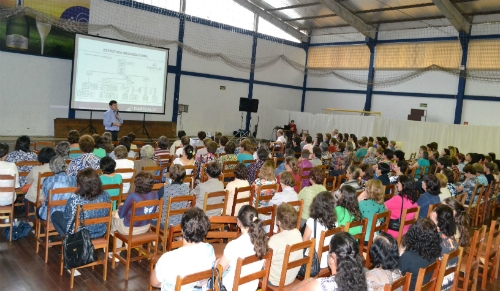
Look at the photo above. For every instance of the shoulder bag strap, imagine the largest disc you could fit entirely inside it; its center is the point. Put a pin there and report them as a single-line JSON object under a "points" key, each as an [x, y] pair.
{"points": [[315, 228], [402, 205]]}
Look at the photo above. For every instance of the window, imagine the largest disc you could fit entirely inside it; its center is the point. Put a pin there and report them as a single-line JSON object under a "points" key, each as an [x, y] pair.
{"points": [[484, 55], [339, 57], [266, 27], [223, 11], [173, 5]]}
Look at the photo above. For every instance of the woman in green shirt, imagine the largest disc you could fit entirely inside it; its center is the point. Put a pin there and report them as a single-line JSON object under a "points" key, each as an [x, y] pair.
{"points": [[347, 208], [109, 176], [371, 202]]}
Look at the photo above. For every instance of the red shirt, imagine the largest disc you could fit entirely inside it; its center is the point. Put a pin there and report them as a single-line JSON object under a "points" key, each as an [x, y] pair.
{"points": [[293, 128]]}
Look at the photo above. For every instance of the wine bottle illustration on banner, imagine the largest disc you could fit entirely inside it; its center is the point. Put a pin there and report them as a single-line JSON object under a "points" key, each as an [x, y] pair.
{"points": [[18, 31]]}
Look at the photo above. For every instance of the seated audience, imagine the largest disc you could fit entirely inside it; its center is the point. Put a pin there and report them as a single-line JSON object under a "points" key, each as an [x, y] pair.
{"points": [[325, 154], [443, 182], [290, 165], [89, 192], [240, 181], [213, 184], [262, 155], [124, 141], [109, 177], [287, 193], [469, 184], [316, 159], [44, 157], [147, 153], [322, 218], [288, 234], [281, 167], [86, 160], [144, 182], [307, 194], [450, 186], [62, 150], [462, 221], [222, 145], [175, 144], [346, 266], [7, 168], [266, 177], [99, 146], [228, 157], [371, 202], [406, 199], [384, 256], [422, 247], [352, 179], [22, 153], [347, 208], [73, 139], [432, 190], [480, 174], [303, 164], [370, 157], [251, 242], [195, 226], [203, 151], [184, 142], [162, 149], [176, 188], [400, 169], [366, 173], [245, 151], [122, 162], [60, 180], [186, 158]]}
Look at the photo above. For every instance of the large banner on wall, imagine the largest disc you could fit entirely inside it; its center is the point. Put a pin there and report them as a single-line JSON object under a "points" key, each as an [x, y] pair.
{"points": [[32, 35]]}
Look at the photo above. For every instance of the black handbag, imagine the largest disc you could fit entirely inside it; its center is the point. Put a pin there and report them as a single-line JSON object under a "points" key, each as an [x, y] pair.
{"points": [[315, 267], [216, 277], [77, 247], [395, 224]]}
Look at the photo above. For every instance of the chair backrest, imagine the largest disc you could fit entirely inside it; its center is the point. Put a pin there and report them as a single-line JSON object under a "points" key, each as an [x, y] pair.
{"points": [[157, 186], [392, 188], [444, 270], [492, 243], [383, 218], [189, 180], [222, 205], [149, 207], [267, 189], [162, 159], [461, 198], [300, 205], [228, 177], [26, 164], [231, 233], [405, 221], [8, 180], [247, 200], [329, 183], [157, 170], [262, 273], [247, 162], [431, 208], [306, 260], [41, 144], [268, 217], [229, 164], [41, 177], [126, 180], [119, 187], [197, 277], [193, 172], [324, 234], [189, 199], [95, 220], [54, 203], [340, 178], [472, 261], [359, 236], [431, 284], [403, 282], [173, 232]]}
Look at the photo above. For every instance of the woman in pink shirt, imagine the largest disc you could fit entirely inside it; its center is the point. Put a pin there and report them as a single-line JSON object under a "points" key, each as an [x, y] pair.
{"points": [[406, 198]]}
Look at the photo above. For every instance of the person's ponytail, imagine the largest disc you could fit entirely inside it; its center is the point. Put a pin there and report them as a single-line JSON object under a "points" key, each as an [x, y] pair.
{"points": [[189, 151], [249, 217], [462, 220]]}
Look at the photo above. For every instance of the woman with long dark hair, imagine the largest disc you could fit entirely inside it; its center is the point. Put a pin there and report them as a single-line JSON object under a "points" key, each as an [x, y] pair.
{"points": [[22, 153], [406, 198], [347, 208], [384, 255], [346, 266], [422, 247], [462, 221], [252, 241]]}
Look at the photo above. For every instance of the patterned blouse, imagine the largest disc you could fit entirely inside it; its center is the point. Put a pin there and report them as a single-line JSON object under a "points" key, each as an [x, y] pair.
{"points": [[377, 278], [370, 160], [203, 159], [96, 230], [448, 245], [84, 161], [263, 182], [227, 158], [468, 186], [252, 170], [174, 189], [453, 189], [21, 156], [328, 284]]}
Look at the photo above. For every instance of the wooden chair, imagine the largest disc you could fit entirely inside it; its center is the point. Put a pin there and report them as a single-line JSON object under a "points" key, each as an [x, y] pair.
{"points": [[287, 264], [237, 200], [162, 159], [76, 152], [405, 221], [99, 243], [300, 205], [197, 277], [29, 164], [174, 231], [469, 268], [325, 272], [228, 166], [403, 282], [48, 227], [482, 205], [130, 181], [474, 207], [7, 212], [267, 189], [137, 241], [35, 206], [268, 217], [261, 274], [303, 176], [247, 162], [340, 178], [158, 172], [329, 183], [461, 198], [444, 270], [190, 200], [431, 284], [431, 208], [470, 208], [213, 206], [190, 181], [227, 178], [359, 236], [41, 144], [494, 199], [222, 228], [384, 218], [157, 186], [193, 170], [489, 255], [392, 188], [115, 199]]}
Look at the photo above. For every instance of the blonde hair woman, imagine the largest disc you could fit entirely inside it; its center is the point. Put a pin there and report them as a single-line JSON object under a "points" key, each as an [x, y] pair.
{"points": [[371, 202], [266, 177]]}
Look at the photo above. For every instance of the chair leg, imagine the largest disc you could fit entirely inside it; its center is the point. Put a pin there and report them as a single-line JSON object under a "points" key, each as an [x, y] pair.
{"points": [[127, 263], [105, 265], [484, 275], [61, 267], [114, 252], [37, 232], [474, 279], [72, 278], [47, 245]]}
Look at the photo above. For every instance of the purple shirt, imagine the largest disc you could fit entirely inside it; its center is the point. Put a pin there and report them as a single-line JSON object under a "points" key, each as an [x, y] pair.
{"points": [[125, 211]]}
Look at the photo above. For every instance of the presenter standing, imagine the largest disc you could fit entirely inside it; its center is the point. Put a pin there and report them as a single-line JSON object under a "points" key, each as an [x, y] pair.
{"points": [[112, 121]]}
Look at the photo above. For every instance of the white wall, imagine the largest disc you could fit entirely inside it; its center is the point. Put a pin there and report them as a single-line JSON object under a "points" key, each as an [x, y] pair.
{"points": [[34, 91], [316, 102]]}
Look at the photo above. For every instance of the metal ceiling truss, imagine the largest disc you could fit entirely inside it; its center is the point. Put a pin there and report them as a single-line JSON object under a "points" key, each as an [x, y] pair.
{"points": [[453, 15], [350, 18]]}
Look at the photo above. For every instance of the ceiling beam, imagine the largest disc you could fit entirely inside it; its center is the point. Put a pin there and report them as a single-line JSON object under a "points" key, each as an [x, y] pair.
{"points": [[293, 6], [349, 17], [273, 20], [453, 15]]}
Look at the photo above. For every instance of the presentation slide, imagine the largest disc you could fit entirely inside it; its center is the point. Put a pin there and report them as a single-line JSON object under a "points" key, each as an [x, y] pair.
{"points": [[133, 75]]}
